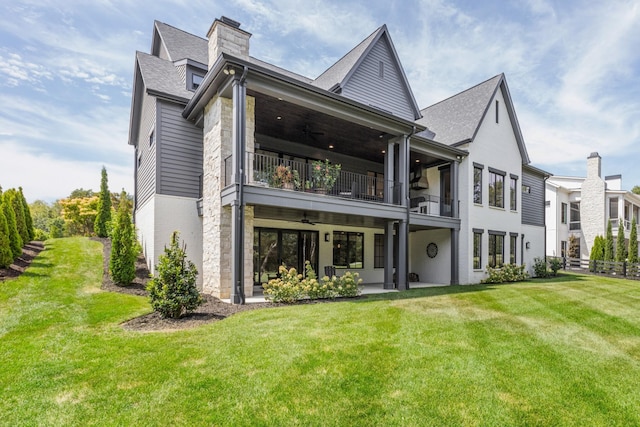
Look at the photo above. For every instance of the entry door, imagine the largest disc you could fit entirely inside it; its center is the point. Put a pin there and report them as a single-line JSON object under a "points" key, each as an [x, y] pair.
{"points": [[445, 191]]}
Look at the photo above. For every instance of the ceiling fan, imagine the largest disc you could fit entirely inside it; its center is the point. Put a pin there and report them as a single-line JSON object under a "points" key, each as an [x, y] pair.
{"points": [[309, 133], [306, 220]]}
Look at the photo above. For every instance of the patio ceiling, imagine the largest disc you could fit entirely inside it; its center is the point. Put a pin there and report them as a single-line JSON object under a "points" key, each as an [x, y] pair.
{"points": [[286, 121]]}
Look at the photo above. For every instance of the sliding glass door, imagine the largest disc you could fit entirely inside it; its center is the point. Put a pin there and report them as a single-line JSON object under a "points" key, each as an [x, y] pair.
{"points": [[274, 247]]}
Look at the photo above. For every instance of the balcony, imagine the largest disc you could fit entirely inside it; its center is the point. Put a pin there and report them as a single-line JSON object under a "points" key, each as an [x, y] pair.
{"points": [[316, 177]]}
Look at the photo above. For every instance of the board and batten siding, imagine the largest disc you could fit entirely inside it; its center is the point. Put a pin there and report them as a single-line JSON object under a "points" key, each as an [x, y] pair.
{"points": [[180, 159], [146, 153], [533, 208], [387, 92]]}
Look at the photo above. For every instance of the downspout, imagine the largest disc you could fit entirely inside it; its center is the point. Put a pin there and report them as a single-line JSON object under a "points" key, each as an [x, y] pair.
{"points": [[238, 296]]}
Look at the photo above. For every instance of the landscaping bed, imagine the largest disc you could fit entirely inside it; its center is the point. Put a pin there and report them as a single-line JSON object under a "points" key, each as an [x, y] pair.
{"points": [[29, 252]]}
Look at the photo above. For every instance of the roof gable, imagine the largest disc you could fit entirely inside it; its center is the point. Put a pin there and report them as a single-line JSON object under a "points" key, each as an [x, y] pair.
{"points": [[360, 76], [456, 120], [178, 44]]}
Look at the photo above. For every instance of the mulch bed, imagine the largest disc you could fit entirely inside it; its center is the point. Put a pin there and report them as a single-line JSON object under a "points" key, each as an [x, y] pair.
{"points": [[211, 310], [29, 252]]}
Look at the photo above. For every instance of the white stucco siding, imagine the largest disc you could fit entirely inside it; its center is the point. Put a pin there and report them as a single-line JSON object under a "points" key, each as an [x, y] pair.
{"points": [[496, 147], [435, 270], [534, 236], [157, 219]]}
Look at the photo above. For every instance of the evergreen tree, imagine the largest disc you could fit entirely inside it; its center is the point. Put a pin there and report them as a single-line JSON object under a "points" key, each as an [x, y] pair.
{"points": [[16, 203], [621, 244], [608, 244], [6, 256], [172, 290], [28, 219], [122, 264], [597, 250], [15, 241], [633, 242], [101, 226]]}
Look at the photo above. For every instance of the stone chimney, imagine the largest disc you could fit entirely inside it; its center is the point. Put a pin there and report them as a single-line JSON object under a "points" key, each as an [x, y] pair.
{"points": [[226, 36], [594, 165]]}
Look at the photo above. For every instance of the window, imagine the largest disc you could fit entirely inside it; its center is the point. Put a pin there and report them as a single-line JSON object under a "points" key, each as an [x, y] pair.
{"points": [[274, 247], [496, 248], [496, 188], [477, 183], [378, 251], [526, 189], [563, 213], [574, 217], [613, 208], [152, 137], [497, 111], [196, 81], [513, 241], [513, 194], [477, 249], [348, 249], [563, 248]]}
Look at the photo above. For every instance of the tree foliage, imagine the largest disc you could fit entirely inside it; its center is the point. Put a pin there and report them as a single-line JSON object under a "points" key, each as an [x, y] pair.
{"points": [[122, 264], [15, 241], [172, 290], [636, 189], [103, 218], [597, 250], [6, 255], [633, 242], [621, 244], [15, 200], [574, 246], [608, 244], [27, 215], [79, 214]]}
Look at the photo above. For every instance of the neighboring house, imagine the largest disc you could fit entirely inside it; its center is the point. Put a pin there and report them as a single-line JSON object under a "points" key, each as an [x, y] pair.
{"points": [[582, 207], [436, 194]]}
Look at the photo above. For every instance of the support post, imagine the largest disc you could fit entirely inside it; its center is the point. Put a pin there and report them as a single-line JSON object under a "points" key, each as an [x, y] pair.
{"points": [[237, 206], [388, 256], [455, 234]]}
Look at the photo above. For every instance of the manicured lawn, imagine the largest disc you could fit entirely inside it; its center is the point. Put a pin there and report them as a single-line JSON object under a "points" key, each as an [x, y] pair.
{"points": [[555, 352]]}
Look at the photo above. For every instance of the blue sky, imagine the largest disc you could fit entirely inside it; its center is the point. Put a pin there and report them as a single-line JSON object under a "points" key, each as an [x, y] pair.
{"points": [[66, 70]]}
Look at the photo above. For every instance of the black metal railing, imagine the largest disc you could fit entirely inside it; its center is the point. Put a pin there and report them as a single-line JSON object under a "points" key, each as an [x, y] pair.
{"points": [[624, 269]]}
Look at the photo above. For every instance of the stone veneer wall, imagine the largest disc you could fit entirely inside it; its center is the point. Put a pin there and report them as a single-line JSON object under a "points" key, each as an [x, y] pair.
{"points": [[224, 38], [592, 205], [216, 221]]}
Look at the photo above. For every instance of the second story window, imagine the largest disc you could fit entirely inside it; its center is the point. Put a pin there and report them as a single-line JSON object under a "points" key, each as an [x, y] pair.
{"points": [[477, 183], [574, 218], [496, 188], [563, 213], [613, 208], [513, 193]]}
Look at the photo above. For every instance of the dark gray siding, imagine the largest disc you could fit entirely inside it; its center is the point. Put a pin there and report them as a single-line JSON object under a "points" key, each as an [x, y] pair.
{"points": [[387, 93], [146, 167], [533, 202], [180, 159]]}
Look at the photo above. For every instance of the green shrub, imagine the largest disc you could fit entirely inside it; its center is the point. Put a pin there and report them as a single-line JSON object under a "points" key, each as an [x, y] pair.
{"points": [[172, 290], [122, 264], [555, 264], [291, 286], [15, 241], [506, 273], [40, 235], [540, 267], [6, 256]]}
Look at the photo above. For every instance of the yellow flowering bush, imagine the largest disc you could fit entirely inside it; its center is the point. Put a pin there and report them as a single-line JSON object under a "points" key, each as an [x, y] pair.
{"points": [[291, 286]]}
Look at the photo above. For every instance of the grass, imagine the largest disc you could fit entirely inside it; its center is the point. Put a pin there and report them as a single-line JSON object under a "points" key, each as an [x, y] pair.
{"points": [[562, 351]]}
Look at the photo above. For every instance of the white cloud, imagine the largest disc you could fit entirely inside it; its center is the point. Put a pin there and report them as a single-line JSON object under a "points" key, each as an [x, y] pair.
{"points": [[46, 177]]}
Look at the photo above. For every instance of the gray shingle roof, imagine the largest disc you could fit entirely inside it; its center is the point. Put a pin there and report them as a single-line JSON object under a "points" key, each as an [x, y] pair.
{"points": [[161, 76], [457, 118], [277, 69], [182, 45], [338, 71]]}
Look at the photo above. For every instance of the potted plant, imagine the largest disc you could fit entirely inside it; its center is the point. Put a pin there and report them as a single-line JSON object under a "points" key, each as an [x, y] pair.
{"points": [[283, 177], [324, 175]]}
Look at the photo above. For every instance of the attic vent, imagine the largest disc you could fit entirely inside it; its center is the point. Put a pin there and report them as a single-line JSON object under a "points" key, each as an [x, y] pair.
{"points": [[230, 22]]}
